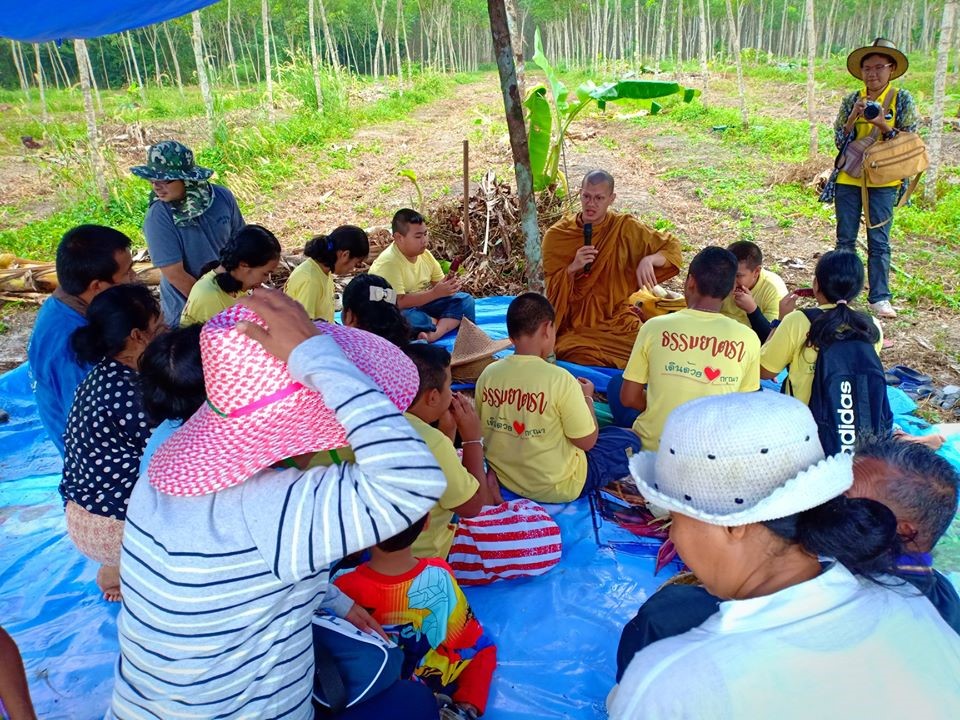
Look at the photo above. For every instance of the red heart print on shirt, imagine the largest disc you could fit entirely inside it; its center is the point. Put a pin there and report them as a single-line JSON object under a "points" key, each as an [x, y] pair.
{"points": [[711, 373], [519, 427]]}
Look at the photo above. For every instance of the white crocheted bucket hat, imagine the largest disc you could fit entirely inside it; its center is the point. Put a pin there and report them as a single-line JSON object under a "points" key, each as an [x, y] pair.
{"points": [[741, 458]]}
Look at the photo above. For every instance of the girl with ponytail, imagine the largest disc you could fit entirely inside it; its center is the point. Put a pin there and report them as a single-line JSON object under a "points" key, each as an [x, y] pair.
{"points": [[245, 263], [339, 253], [107, 428], [838, 280]]}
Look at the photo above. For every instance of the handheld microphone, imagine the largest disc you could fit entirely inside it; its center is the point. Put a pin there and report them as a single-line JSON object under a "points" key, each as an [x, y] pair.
{"points": [[587, 240]]}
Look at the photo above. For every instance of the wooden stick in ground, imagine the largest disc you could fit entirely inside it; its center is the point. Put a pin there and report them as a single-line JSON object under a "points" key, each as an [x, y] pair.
{"points": [[466, 195]]}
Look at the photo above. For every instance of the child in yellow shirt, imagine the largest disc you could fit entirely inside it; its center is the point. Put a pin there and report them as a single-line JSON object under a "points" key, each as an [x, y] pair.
{"points": [[693, 353], [756, 296], [431, 301], [245, 263], [311, 282], [538, 420]]}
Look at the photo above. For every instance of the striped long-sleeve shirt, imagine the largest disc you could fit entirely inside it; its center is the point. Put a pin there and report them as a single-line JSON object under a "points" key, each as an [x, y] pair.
{"points": [[218, 590]]}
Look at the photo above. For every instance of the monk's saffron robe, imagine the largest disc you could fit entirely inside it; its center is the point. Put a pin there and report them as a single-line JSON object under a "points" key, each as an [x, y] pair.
{"points": [[595, 325]]}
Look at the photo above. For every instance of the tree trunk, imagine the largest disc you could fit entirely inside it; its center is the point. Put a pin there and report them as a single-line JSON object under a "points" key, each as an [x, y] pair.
{"points": [[661, 36], [231, 55], [202, 71], [378, 17], [703, 46], [314, 56], [396, 43], [44, 115], [406, 43], [500, 30], [96, 162], [735, 42], [21, 72], [811, 60], [332, 53], [136, 68], [265, 17], [935, 141], [173, 55], [679, 34]]}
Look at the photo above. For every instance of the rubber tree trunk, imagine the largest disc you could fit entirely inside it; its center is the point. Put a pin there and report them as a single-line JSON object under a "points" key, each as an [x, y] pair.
{"points": [[935, 141], [96, 161], [202, 71], [314, 57], [811, 61], [328, 39], [734, 28], [265, 15], [516, 40], [44, 114], [704, 21], [173, 56], [506, 66], [396, 43]]}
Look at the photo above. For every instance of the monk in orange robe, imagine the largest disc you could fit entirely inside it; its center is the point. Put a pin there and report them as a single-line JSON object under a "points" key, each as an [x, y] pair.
{"points": [[595, 323]]}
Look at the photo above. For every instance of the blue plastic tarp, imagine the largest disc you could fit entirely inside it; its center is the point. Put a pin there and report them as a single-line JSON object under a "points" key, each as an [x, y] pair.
{"points": [[45, 20]]}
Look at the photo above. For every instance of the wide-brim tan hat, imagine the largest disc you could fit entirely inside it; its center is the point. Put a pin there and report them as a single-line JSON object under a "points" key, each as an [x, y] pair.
{"points": [[880, 46], [739, 459], [473, 350]]}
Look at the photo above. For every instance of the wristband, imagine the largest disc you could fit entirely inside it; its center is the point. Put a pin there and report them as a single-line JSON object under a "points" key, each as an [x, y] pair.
{"points": [[478, 441], [891, 135]]}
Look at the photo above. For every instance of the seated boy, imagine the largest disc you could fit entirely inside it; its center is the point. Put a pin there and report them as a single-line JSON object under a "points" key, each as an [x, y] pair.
{"points": [[467, 488], [691, 353], [755, 300], [508, 540], [422, 608], [431, 302], [538, 420]]}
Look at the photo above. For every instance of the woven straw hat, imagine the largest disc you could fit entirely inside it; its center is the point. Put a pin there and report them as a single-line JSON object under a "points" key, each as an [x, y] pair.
{"points": [[256, 414], [473, 350], [880, 46], [739, 459]]}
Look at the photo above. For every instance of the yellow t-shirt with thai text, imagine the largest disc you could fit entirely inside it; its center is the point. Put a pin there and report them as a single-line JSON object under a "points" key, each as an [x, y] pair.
{"points": [[206, 300], [436, 539], [688, 355], [312, 286], [768, 292], [528, 410], [787, 345], [405, 276]]}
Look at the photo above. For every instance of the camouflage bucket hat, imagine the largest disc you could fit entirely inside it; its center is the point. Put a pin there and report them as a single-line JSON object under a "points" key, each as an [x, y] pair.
{"points": [[170, 160]]}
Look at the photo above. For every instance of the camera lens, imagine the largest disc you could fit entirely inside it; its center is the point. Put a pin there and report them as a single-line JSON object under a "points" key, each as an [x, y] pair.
{"points": [[871, 110]]}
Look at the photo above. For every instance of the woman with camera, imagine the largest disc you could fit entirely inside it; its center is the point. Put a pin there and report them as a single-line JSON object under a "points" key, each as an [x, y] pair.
{"points": [[875, 113]]}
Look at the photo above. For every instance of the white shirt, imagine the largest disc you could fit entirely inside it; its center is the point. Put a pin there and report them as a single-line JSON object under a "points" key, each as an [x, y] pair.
{"points": [[833, 647]]}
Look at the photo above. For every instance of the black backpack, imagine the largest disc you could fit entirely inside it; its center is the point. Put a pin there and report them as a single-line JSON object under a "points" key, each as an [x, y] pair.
{"points": [[849, 395]]}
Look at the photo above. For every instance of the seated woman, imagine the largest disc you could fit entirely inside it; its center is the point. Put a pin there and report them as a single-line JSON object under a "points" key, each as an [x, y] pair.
{"points": [[245, 263], [227, 548], [311, 282], [369, 303], [107, 428], [811, 625]]}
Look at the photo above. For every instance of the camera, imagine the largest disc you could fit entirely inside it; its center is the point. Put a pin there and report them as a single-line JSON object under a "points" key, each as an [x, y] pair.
{"points": [[873, 109]]}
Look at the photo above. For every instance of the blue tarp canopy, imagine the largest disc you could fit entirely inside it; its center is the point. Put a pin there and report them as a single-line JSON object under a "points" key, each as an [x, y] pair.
{"points": [[45, 20]]}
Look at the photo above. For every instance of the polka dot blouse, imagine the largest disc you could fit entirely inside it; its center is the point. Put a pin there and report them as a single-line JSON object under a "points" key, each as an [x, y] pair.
{"points": [[106, 433]]}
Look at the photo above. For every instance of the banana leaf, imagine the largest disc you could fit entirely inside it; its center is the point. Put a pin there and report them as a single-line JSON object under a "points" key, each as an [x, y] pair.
{"points": [[540, 135]]}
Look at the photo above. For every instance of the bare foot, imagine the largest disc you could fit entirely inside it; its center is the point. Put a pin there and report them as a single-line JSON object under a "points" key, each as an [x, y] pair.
{"points": [[108, 580]]}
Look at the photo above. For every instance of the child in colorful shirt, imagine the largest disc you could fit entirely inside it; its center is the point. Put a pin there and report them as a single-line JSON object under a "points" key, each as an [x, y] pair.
{"points": [[422, 608]]}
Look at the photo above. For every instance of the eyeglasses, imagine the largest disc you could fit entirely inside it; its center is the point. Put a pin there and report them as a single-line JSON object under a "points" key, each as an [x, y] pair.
{"points": [[161, 183], [876, 68]]}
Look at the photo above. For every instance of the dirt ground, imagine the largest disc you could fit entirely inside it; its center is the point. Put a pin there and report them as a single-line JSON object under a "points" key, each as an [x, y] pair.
{"points": [[356, 181]]}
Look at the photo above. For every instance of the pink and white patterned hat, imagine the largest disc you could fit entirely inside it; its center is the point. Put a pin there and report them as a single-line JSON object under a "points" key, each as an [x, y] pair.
{"points": [[256, 414]]}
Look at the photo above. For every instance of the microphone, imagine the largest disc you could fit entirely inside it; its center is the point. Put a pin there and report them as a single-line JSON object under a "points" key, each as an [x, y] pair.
{"points": [[587, 240]]}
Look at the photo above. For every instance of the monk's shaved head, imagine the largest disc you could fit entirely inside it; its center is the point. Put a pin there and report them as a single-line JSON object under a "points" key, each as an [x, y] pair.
{"points": [[596, 177]]}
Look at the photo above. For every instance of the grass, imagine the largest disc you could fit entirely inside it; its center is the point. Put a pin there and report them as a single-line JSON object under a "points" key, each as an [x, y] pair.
{"points": [[253, 159]]}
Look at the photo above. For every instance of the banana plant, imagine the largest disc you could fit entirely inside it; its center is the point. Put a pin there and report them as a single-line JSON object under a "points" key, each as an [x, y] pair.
{"points": [[550, 113]]}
